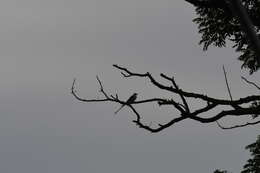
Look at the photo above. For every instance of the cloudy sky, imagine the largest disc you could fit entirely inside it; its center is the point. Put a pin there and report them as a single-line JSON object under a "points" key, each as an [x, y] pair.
{"points": [[44, 44]]}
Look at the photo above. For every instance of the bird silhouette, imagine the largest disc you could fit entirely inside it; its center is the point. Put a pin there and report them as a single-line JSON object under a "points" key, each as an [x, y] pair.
{"points": [[128, 102]]}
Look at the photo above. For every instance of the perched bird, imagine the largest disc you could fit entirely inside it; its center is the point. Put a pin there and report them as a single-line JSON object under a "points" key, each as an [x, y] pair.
{"points": [[128, 102]]}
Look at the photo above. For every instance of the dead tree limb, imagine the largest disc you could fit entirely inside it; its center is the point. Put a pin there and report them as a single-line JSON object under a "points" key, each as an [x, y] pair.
{"points": [[236, 108]]}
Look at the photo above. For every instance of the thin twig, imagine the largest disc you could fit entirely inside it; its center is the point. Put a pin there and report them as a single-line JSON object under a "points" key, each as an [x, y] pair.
{"points": [[238, 126], [251, 83], [229, 92], [184, 101]]}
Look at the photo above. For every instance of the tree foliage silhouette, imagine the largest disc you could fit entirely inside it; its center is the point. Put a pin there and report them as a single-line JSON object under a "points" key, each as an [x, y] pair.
{"points": [[253, 164], [217, 23]]}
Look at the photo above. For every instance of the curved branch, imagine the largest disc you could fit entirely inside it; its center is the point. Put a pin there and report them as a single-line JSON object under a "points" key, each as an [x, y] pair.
{"points": [[237, 106], [235, 112], [238, 126], [251, 83], [247, 99], [185, 104], [74, 93], [154, 130]]}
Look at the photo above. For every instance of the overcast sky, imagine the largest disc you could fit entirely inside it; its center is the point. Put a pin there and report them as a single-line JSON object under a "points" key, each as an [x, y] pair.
{"points": [[44, 44]]}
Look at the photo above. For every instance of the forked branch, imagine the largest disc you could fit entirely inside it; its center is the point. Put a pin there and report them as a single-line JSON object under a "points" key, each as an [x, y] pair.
{"points": [[235, 108]]}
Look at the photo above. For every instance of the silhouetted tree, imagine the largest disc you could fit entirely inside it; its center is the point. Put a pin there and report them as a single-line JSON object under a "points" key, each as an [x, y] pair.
{"points": [[253, 164], [218, 21]]}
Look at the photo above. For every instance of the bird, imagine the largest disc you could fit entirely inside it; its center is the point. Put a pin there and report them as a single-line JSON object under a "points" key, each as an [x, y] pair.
{"points": [[128, 102]]}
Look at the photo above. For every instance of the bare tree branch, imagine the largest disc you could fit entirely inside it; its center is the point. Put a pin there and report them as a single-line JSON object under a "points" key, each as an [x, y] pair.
{"points": [[188, 94], [154, 130], [244, 106], [238, 126], [251, 83], [186, 106], [234, 107], [228, 88], [74, 93]]}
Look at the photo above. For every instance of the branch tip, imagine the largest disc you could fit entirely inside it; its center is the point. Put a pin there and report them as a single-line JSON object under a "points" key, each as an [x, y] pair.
{"points": [[251, 83]]}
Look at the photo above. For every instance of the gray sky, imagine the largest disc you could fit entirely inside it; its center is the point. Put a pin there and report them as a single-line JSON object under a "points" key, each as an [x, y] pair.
{"points": [[44, 44]]}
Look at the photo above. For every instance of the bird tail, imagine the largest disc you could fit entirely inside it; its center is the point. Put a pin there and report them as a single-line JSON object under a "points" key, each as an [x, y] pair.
{"points": [[119, 109]]}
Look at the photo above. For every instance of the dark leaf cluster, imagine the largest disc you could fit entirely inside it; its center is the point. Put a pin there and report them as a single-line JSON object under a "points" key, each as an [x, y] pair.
{"points": [[217, 25], [253, 164]]}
